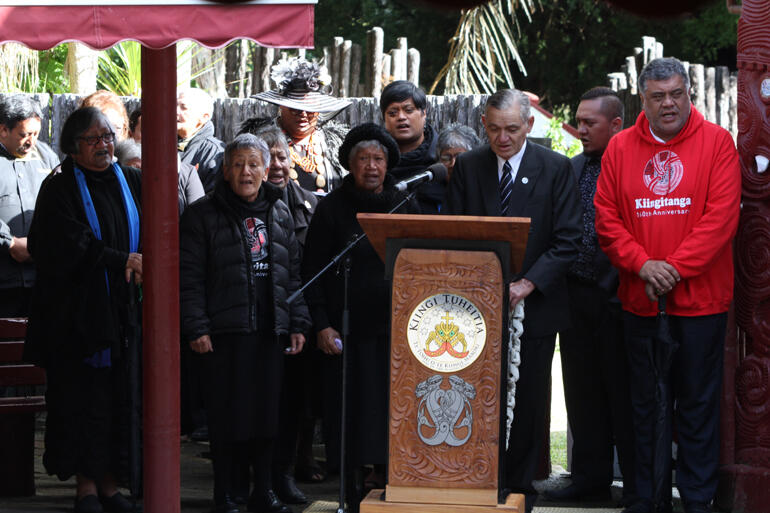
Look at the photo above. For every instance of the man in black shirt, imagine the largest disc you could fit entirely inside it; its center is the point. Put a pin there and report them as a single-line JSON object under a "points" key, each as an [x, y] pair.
{"points": [[592, 350]]}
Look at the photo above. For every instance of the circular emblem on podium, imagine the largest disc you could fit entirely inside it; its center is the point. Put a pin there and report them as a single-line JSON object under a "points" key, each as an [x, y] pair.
{"points": [[446, 332]]}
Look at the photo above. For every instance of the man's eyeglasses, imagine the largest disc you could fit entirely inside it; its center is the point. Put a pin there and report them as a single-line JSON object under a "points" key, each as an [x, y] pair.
{"points": [[93, 140]]}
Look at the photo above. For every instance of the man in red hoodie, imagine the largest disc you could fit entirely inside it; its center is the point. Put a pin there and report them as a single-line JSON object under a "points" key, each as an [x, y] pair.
{"points": [[667, 205]]}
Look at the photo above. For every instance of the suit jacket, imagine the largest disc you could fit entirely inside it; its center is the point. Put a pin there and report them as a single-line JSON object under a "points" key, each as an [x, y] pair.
{"points": [[606, 274], [545, 192]]}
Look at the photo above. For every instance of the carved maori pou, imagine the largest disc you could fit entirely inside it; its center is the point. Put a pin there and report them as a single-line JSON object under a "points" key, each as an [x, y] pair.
{"points": [[752, 249]]}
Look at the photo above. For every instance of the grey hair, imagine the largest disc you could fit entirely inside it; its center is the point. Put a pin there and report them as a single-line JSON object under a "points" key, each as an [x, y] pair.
{"points": [[505, 98], [16, 108], [362, 145], [663, 68], [244, 141], [274, 136], [200, 99], [457, 136], [128, 150]]}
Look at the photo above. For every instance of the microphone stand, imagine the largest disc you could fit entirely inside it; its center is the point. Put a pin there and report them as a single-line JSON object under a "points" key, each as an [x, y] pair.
{"points": [[345, 334]]}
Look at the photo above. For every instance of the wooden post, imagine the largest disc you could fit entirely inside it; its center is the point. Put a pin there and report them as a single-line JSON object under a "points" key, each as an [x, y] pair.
{"points": [[631, 75], [710, 94], [658, 50], [403, 49], [267, 63], [617, 81], [698, 87], [723, 96], [734, 105], [355, 71], [413, 66], [336, 62], [386, 71], [232, 71], [395, 65], [257, 56], [648, 49], [344, 89], [160, 248], [375, 41]]}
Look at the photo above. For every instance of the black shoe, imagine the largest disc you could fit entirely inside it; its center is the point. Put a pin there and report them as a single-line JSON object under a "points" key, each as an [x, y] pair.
{"points": [[88, 504], [696, 507], [118, 503], [641, 506], [200, 434], [286, 488], [575, 493], [267, 502], [225, 505]]}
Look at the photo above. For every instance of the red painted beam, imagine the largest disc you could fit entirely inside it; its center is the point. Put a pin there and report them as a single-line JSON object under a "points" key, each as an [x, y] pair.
{"points": [[160, 245]]}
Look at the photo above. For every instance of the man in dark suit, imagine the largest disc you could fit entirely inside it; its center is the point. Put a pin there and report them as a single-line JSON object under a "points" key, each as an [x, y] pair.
{"points": [[513, 177], [593, 354]]}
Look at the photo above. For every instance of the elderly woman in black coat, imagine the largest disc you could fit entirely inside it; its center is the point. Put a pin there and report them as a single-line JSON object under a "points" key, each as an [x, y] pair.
{"points": [[84, 240], [239, 264], [368, 152]]}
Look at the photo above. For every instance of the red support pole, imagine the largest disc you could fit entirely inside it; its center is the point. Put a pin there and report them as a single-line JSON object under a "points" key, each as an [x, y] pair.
{"points": [[160, 243]]}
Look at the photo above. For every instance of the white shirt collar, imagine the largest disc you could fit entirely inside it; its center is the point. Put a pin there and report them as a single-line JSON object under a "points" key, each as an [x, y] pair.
{"points": [[656, 137], [514, 161]]}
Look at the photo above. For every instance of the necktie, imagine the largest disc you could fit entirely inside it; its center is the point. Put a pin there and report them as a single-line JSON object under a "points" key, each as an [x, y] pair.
{"points": [[506, 186]]}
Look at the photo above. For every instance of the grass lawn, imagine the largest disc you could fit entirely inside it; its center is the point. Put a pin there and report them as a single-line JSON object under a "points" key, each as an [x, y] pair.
{"points": [[559, 448]]}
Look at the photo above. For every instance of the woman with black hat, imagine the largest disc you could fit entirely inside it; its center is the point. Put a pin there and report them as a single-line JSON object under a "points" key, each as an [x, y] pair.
{"points": [[305, 110], [368, 152]]}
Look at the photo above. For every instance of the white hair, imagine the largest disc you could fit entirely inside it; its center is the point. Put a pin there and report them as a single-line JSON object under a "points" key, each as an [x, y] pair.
{"points": [[198, 99]]}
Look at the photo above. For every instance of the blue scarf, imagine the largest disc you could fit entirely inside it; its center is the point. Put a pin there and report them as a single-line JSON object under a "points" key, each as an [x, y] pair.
{"points": [[103, 358]]}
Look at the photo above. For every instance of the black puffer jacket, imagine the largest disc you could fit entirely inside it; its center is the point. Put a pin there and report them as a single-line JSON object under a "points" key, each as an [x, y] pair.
{"points": [[215, 268]]}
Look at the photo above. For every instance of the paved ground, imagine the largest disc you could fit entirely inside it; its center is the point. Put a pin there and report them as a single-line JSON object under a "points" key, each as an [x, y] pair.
{"points": [[54, 496]]}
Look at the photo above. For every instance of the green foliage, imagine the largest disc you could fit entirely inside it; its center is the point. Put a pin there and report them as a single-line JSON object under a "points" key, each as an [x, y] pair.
{"points": [[18, 68], [571, 45], [482, 49], [556, 136], [120, 69], [53, 78], [559, 448], [427, 29]]}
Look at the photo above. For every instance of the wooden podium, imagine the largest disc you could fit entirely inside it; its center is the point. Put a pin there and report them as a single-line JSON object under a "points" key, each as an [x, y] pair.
{"points": [[447, 359]]}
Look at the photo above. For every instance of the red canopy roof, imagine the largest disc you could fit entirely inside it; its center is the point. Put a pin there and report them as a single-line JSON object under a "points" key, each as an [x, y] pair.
{"points": [[156, 24]]}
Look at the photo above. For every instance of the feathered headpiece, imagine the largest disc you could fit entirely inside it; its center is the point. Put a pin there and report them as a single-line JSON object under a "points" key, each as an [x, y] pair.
{"points": [[302, 85]]}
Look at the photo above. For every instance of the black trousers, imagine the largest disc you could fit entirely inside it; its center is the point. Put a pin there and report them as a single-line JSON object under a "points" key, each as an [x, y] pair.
{"points": [[696, 382], [529, 413], [595, 373]]}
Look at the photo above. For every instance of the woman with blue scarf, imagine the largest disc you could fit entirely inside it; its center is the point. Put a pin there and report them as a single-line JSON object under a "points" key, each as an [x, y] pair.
{"points": [[85, 244]]}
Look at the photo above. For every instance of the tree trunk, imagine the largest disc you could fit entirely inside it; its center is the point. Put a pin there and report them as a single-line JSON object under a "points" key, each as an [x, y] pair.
{"points": [[81, 67]]}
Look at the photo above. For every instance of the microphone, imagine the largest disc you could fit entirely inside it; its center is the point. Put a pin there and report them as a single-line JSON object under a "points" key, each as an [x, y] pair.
{"points": [[435, 173]]}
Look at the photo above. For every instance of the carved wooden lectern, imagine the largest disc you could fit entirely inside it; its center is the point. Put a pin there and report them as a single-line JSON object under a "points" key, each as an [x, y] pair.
{"points": [[448, 370]]}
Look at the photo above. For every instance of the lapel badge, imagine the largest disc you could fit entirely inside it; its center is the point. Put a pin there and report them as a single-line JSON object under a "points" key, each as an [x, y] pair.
{"points": [[524, 180], [307, 204]]}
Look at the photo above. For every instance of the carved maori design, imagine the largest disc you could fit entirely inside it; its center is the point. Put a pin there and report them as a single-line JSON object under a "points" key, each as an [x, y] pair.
{"points": [[412, 462], [752, 249], [447, 414], [754, 130], [753, 396]]}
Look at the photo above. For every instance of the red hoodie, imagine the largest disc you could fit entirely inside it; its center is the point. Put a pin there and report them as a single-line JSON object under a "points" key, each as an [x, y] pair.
{"points": [[677, 201]]}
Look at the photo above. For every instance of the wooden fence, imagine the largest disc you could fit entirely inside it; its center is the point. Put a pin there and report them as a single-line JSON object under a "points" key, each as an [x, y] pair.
{"points": [[243, 67], [229, 113], [714, 89]]}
